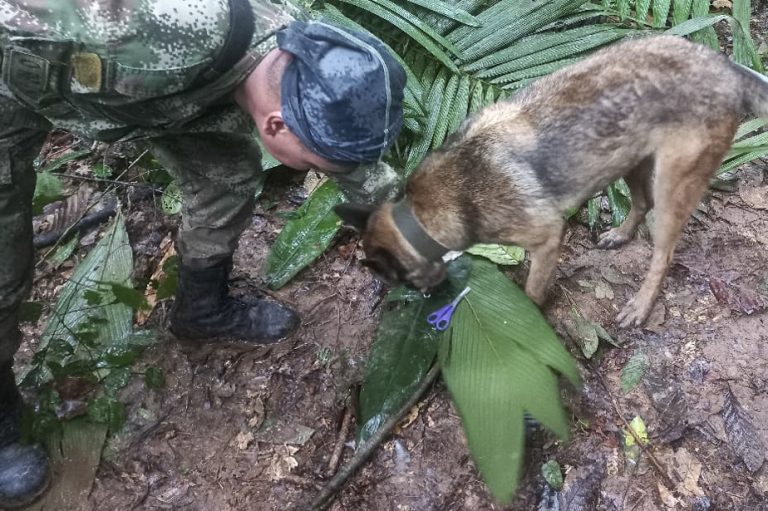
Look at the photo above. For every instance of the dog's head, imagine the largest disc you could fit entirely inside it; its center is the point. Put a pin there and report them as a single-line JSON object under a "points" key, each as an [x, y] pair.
{"points": [[388, 253]]}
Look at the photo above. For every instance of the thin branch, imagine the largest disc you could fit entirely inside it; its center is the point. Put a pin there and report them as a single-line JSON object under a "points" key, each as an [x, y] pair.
{"points": [[325, 497], [339, 447], [116, 182], [643, 444]]}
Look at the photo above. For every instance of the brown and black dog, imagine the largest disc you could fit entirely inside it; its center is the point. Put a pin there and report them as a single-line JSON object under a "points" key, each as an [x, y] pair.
{"points": [[660, 112]]}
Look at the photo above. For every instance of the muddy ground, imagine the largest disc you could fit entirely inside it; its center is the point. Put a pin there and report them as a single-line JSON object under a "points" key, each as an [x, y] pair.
{"points": [[254, 429]]}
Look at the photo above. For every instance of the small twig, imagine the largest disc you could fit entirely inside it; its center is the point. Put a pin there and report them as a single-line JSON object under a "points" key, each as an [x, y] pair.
{"points": [[643, 448], [339, 447], [104, 180], [325, 497]]}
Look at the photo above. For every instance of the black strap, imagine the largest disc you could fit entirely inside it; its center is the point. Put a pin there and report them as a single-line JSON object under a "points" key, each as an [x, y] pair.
{"points": [[414, 232], [239, 37]]}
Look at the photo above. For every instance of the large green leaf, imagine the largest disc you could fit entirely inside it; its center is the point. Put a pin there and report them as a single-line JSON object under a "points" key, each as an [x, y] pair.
{"points": [[421, 33], [403, 351], [110, 323], [499, 362], [305, 236]]}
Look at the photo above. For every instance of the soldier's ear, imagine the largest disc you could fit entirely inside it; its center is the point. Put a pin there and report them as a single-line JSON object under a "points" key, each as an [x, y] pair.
{"points": [[354, 215]]}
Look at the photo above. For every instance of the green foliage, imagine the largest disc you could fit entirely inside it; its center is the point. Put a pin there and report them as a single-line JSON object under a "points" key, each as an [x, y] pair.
{"points": [[48, 189], [102, 170], [403, 350], [107, 410], [166, 288], [89, 337], [65, 251], [305, 236], [462, 55], [499, 254], [59, 162], [500, 361], [552, 474], [633, 371], [170, 201]]}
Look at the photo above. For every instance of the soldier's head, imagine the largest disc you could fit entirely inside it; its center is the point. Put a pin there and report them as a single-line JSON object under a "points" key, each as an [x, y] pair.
{"points": [[326, 98]]}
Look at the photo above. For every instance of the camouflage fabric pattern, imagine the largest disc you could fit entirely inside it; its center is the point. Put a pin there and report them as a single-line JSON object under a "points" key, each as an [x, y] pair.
{"points": [[148, 53], [21, 136]]}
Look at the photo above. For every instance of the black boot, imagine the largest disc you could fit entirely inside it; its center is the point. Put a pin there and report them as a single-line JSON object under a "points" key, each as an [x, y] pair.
{"points": [[204, 310], [24, 472]]}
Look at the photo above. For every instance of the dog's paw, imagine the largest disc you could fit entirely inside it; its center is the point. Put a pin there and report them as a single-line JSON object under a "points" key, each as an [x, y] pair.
{"points": [[634, 313], [612, 239]]}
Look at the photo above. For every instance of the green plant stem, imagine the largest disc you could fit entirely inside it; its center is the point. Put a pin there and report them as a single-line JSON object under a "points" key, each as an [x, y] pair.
{"points": [[325, 497]]}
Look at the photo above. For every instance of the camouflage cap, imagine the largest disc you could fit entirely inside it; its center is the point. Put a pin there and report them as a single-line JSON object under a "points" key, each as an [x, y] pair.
{"points": [[342, 93]]}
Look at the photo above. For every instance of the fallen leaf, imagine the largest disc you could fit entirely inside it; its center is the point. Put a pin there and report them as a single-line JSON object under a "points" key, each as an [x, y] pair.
{"points": [[406, 421], [666, 497], [633, 371], [613, 276], [638, 428], [257, 413], [552, 474], [603, 290], [283, 462], [689, 469], [742, 435], [738, 298], [243, 440], [583, 332], [167, 247], [669, 400], [755, 197], [722, 4]]}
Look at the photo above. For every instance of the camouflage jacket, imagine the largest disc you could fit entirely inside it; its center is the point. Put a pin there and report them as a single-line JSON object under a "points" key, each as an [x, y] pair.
{"points": [[121, 70]]}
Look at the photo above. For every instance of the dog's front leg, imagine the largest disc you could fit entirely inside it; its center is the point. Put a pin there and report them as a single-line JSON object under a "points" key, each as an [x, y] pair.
{"points": [[544, 258]]}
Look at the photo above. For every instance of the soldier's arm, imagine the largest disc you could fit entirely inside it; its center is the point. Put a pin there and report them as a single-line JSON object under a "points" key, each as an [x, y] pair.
{"points": [[369, 183]]}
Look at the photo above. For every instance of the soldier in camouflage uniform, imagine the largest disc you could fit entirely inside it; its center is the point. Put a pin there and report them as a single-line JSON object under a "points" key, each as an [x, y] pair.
{"points": [[192, 78]]}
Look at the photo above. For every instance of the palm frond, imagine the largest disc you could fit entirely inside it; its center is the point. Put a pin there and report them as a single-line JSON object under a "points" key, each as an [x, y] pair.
{"points": [[449, 11]]}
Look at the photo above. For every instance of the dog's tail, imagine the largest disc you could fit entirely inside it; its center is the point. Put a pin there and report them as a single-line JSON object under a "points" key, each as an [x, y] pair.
{"points": [[755, 91]]}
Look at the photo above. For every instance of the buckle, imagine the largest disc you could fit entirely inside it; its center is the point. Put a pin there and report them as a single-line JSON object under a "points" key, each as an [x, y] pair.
{"points": [[86, 73], [27, 75]]}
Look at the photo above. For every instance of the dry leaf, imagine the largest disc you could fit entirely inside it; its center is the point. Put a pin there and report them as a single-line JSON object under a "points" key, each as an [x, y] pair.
{"points": [[722, 4], [283, 462], [603, 290], [738, 298], [755, 197], [688, 470], [243, 440], [406, 421], [669, 500], [168, 250]]}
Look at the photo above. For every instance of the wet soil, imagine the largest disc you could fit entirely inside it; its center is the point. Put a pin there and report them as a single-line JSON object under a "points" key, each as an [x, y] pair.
{"points": [[255, 428]]}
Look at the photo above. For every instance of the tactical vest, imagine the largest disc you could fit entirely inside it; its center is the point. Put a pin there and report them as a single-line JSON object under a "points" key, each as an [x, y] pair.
{"points": [[112, 70]]}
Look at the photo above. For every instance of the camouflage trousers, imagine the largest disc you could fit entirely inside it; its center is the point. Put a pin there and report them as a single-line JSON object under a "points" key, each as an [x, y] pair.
{"points": [[218, 174]]}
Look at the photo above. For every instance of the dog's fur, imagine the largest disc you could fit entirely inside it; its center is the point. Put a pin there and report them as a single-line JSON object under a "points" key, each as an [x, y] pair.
{"points": [[660, 112]]}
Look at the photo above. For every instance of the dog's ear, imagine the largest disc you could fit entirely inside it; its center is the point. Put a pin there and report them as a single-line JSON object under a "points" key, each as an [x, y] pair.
{"points": [[354, 215]]}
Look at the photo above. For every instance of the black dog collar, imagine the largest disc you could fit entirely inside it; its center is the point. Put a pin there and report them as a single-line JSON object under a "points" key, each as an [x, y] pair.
{"points": [[414, 232]]}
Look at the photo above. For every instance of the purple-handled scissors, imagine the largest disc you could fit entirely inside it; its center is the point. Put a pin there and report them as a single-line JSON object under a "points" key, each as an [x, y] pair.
{"points": [[441, 318]]}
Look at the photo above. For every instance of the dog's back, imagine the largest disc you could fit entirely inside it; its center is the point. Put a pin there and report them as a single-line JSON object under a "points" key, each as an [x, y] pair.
{"points": [[660, 112], [584, 126]]}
